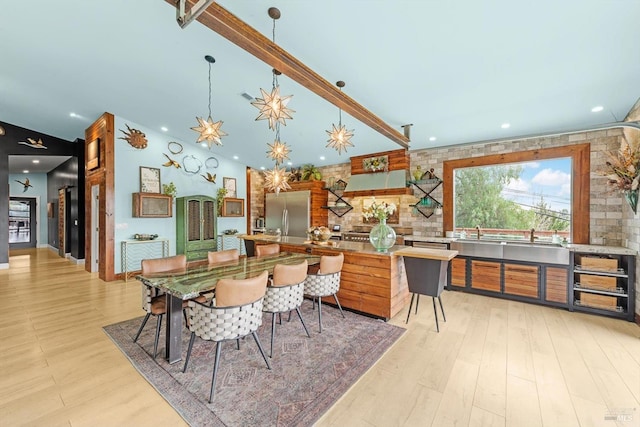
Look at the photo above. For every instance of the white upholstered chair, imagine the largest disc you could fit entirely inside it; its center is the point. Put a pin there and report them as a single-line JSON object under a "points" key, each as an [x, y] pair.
{"points": [[265, 250], [285, 293], [235, 312], [325, 282], [153, 301]]}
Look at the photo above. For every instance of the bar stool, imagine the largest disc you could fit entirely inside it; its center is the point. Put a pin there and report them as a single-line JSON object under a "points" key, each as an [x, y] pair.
{"points": [[326, 282]]}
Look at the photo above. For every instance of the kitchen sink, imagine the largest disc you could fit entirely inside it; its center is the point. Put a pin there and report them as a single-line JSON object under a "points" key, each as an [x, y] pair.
{"points": [[547, 253]]}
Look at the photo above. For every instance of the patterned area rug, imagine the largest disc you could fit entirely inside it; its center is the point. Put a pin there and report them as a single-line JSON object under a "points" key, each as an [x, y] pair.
{"points": [[308, 375]]}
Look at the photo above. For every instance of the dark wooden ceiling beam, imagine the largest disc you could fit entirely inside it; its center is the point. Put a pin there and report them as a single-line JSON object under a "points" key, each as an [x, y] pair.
{"points": [[238, 32]]}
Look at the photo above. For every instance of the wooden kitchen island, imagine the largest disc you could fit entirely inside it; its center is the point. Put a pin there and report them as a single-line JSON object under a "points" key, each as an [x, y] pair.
{"points": [[371, 282]]}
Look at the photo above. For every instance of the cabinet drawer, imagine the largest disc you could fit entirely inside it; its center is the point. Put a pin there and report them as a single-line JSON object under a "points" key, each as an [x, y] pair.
{"points": [[202, 245], [196, 255], [521, 280], [598, 301], [597, 282], [459, 272], [485, 275], [597, 263], [556, 285]]}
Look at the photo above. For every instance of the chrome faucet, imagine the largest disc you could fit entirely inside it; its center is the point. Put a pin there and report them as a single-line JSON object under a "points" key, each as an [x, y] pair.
{"points": [[478, 232], [531, 237]]}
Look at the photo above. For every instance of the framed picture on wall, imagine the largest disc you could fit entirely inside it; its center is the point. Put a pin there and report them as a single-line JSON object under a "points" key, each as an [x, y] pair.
{"points": [[93, 154], [149, 180], [230, 185]]}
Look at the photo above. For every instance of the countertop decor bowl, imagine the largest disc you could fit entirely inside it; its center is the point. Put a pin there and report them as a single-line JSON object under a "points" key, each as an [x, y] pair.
{"points": [[319, 234]]}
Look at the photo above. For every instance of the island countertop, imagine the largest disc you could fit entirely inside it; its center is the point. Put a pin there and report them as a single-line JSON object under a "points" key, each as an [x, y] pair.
{"points": [[371, 282], [337, 245]]}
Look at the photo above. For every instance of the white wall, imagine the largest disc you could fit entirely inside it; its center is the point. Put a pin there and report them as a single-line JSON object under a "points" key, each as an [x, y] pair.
{"points": [[127, 181]]}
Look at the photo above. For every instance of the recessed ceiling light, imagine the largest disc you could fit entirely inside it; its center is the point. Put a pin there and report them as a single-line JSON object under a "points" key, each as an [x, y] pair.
{"points": [[505, 125], [597, 109], [262, 168], [25, 171], [432, 138], [164, 129], [73, 115], [35, 161], [289, 163], [235, 157], [321, 157]]}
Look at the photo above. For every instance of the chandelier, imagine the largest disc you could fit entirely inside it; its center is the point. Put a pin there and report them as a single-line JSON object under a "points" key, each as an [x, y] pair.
{"points": [[277, 179], [273, 106], [208, 129], [339, 136], [278, 151]]}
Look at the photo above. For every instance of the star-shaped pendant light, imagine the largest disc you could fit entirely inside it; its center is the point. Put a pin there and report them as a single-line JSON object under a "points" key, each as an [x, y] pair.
{"points": [[273, 106], [278, 151], [277, 179], [339, 136], [208, 129]]}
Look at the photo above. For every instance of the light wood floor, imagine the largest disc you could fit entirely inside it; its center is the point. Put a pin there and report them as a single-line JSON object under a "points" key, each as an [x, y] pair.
{"points": [[494, 363]]}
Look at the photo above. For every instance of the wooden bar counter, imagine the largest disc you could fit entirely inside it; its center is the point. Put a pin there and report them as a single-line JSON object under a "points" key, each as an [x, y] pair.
{"points": [[371, 282]]}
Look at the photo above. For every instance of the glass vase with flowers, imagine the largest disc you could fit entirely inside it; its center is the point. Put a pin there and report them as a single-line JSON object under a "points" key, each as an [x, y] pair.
{"points": [[623, 172], [381, 236]]}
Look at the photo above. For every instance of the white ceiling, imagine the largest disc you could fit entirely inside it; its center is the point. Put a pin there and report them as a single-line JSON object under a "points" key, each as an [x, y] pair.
{"points": [[456, 69]]}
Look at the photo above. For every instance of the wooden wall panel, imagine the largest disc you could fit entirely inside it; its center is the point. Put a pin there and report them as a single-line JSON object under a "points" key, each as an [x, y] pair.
{"points": [[104, 177], [398, 160]]}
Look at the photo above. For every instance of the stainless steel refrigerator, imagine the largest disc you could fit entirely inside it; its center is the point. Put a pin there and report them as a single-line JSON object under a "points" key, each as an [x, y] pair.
{"points": [[288, 211]]}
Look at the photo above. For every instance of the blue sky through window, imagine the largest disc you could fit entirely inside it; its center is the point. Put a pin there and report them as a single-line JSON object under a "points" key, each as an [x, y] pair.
{"points": [[549, 179]]}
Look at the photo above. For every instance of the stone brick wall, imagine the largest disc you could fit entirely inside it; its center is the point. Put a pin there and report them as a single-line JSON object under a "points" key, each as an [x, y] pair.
{"points": [[631, 221], [612, 222]]}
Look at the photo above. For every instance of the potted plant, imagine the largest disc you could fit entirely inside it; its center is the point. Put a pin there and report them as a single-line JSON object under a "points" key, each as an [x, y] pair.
{"points": [[220, 194], [170, 189], [311, 173]]}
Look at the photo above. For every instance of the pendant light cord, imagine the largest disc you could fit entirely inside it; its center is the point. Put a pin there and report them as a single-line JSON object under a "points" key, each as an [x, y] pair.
{"points": [[209, 89]]}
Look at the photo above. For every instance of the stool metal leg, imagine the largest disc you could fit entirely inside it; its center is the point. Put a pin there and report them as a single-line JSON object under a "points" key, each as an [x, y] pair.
{"points": [[410, 305], [442, 308], [417, 302], [435, 313]]}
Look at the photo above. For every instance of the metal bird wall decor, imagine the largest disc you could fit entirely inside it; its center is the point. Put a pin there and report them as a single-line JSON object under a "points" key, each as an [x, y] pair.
{"points": [[33, 143], [210, 178], [171, 162], [25, 184]]}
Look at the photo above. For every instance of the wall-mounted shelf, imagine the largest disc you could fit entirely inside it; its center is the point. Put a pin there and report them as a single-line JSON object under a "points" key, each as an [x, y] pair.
{"points": [[427, 204], [341, 206]]}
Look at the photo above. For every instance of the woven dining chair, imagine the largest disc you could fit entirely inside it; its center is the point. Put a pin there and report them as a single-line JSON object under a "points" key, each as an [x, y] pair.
{"points": [[325, 282], [285, 293], [154, 302], [235, 312], [270, 249]]}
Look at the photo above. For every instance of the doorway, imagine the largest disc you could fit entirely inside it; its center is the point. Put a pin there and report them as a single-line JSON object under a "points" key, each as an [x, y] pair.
{"points": [[95, 228], [22, 222]]}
